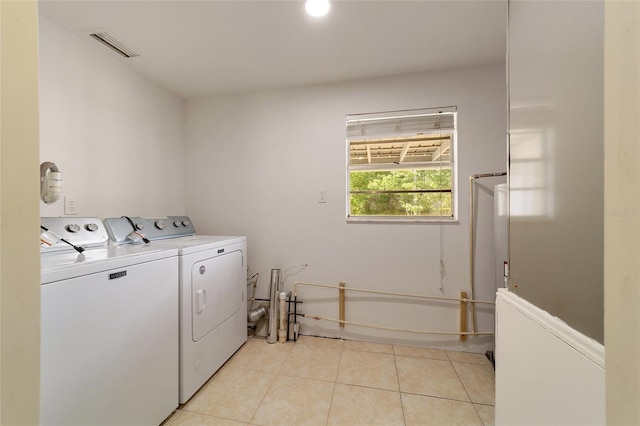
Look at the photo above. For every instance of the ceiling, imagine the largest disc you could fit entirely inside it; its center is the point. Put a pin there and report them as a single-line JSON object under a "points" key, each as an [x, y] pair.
{"points": [[207, 48]]}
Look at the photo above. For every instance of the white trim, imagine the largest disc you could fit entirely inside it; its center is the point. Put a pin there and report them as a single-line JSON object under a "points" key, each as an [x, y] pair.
{"points": [[402, 219], [590, 348], [451, 164], [381, 167]]}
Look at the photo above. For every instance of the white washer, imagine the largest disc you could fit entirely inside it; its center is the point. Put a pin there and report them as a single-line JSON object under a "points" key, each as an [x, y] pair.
{"points": [[213, 301], [109, 330]]}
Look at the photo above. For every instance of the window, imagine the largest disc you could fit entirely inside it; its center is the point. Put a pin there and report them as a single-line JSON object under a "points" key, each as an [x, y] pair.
{"points": [[401, 165]]}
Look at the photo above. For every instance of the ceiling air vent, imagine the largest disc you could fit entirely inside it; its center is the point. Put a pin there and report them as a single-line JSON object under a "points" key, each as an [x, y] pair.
{"points": [[115, 45]]}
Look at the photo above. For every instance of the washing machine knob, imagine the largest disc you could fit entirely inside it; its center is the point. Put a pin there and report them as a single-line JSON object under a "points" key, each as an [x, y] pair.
{"points": [[139, 226], [73, 228], [185, 222], [91, 227], [160, 224], [176, 223]]}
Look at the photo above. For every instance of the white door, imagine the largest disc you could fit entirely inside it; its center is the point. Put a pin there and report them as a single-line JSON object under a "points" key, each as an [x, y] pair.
{"points": [[216, 292]]}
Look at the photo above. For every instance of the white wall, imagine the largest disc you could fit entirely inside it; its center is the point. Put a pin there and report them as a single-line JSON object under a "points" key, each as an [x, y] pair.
{"points": [[549, 354], [556, 177], [256, 161], [116, 136], [253, 166], [546, 372]]}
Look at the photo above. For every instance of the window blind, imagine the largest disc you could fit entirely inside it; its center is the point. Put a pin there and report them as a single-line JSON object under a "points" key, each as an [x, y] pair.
{"points": [[411, 122]]}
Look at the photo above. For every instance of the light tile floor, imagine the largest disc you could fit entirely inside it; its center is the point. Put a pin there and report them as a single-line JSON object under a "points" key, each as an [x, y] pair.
{"points": [[317, 381]]}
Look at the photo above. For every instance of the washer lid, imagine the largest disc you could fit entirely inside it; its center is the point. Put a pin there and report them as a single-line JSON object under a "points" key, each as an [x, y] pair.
{"points": [[197, 243], [63, 265]]}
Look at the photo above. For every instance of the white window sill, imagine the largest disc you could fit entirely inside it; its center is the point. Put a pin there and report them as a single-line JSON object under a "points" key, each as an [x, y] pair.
{"points": [[402, 219]]}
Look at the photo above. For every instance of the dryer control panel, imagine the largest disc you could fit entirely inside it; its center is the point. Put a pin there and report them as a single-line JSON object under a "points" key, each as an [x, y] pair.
{"points": [[120, 229]]}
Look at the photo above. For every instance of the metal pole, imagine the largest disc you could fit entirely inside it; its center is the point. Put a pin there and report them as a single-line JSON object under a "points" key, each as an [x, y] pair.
{"points": [[272, 332]]}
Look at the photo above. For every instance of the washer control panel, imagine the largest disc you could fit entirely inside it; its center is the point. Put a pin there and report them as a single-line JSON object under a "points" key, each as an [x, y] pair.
{"points": [[80, 231], [153, 228]]}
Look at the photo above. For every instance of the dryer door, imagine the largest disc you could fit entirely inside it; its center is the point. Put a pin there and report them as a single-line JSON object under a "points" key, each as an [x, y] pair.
{"points": [[216, 292]]}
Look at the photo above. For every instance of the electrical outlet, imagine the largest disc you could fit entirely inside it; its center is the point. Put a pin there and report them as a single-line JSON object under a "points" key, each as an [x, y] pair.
{"points": [[70, 206], [322, 195]]}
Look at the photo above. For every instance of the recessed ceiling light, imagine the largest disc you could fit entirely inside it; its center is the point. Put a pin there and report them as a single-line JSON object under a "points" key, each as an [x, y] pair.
{"points": [[317, 7]]}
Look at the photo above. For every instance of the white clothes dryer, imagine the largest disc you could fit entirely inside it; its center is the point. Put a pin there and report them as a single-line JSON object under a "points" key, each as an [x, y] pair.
{"points": [[212, 283], [109, 329]]}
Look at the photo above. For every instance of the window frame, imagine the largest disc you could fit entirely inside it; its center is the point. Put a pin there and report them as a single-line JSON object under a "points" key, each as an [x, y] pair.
{"points": [[452, 163]]}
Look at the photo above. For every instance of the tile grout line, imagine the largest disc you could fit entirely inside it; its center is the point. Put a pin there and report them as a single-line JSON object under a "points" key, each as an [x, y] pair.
{"points": [[465, 389], [335, 383], [404, 418], [213, 417], [461, 381], [275, 377], [444, 398], [478, 413]]}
